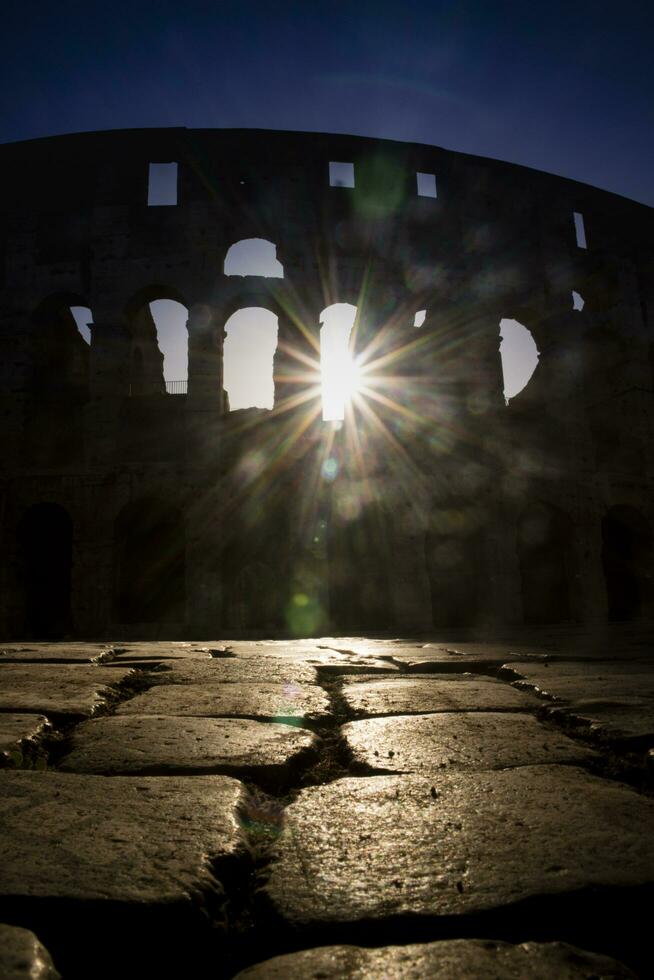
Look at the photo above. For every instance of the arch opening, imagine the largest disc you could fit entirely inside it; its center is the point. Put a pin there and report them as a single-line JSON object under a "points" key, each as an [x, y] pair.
{"points": [[170, 318], [83, 318], [360, 559], [248, 354], [338, 368], [149, 563], [59, 385], [627, 563], [46, 557], [253, 257], [544, 543], [519, 355]]}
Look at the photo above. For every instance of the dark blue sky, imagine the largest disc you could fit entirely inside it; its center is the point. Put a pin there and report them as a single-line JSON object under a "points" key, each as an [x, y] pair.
{"points": [[564, 87]]}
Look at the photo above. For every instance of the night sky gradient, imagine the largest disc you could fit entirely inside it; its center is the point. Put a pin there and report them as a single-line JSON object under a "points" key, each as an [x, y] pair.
{"points": [[562, 87]]}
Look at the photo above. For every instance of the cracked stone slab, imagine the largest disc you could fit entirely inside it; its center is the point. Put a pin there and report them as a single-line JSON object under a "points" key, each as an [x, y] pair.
{"points": [[65, 689], [433, 656], [464, 741], [341, 664], [163, 650], [424, 693], [455, 844], [272, 702], [54, 653], [123, 840], [465, 959], [227, 670], [138, 744], [317, 653], [19, 737], [23, 957], [615, 699], [285, 649]]}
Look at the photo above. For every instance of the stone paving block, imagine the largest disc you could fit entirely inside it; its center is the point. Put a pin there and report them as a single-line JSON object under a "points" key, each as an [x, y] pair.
{"points": [[266, 670], [456, 843], [157, 650], [463, 959], [615, 698], [434, 656], [123, 840], [19, 735], [64, 689], [309, 652], [423, 693], [55, 653], [23, 957], [471, 741], [133, 744], [273, 702]]}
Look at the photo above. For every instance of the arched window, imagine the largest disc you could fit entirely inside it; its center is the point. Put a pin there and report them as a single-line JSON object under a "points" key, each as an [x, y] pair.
{"points": [[253, 257], [627, 562], [545, 558], [59, 382], [248, 352], [149, 563], [45, 543], [170, 318], [337, 365], [158, 356], [84, 321], [519, 357]]}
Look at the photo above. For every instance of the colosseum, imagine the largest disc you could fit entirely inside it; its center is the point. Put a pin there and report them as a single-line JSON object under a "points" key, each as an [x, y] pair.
{"points": [[134, 503]]}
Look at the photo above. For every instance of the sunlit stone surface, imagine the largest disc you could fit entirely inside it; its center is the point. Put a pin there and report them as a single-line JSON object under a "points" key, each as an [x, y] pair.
{"points": [[23, 957], [222, 671], [122, 839], [78, 653], [63, 689], [19, 734], [455, 843], [139, 744], [615, 699], [272, 702], [464, 959], [468, 740], [431, 692]]}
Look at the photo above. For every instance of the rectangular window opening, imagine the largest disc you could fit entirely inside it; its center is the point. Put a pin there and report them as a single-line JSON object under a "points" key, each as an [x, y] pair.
{"points": [[580, 230], [162, 184], [341, 174], [426, 185]]}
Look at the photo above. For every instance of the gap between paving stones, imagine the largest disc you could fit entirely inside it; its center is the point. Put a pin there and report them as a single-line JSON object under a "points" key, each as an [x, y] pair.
{"points": [[45, 750]]}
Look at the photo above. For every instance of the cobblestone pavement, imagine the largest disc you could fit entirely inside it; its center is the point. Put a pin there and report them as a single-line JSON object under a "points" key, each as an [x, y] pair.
{"points": [[336, 807]]}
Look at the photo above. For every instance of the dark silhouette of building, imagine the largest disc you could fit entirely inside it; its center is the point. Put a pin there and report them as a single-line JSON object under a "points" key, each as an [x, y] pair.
{"points": [[132, 506]]}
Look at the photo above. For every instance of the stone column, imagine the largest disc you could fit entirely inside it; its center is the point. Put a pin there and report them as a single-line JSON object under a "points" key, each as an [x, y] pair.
{"points": [[108, 386]]}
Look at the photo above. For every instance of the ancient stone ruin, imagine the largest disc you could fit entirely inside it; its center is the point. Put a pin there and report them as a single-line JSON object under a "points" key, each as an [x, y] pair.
{"points": [[133, 503]]}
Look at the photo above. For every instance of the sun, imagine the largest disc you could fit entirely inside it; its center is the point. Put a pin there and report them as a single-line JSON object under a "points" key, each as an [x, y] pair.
{"points": [[340, 383], [340, 370]]}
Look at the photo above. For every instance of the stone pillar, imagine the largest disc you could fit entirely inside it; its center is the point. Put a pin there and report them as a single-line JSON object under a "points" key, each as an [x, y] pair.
{"points": [[589, 599], [298, 347], [108, 386], [206, 335], [205, 402]]}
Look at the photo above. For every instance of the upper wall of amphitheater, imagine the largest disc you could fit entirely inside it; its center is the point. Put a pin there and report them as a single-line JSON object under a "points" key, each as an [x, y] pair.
{"points": [[74, 216]]}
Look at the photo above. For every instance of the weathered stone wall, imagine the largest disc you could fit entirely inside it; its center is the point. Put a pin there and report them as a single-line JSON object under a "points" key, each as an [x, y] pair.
{"points": [[447, 506]]}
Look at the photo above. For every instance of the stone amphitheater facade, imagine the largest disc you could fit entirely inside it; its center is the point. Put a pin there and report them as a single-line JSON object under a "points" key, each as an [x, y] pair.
{"points": [[130, 510]]}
